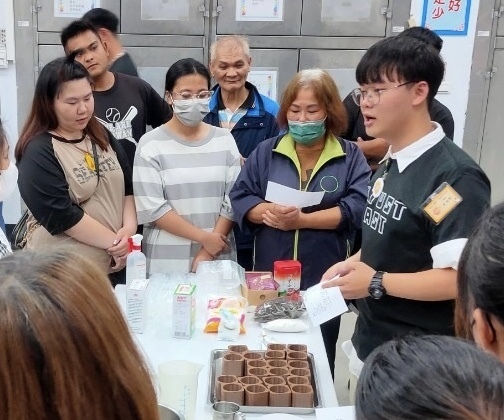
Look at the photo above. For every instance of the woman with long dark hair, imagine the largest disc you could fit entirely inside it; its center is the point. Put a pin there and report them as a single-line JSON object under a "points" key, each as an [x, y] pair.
{"points": [[73, 175]]}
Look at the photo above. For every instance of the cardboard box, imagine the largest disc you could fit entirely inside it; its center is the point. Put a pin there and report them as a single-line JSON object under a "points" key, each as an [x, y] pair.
{"points": [[256, 296], [184, 311], [135, 304]]}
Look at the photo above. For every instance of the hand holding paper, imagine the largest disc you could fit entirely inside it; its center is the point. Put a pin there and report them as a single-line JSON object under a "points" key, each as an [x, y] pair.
{"points": [[286, 196], [324, 304]]}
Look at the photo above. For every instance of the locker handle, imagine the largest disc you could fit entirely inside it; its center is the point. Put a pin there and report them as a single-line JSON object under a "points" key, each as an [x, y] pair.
{"points": [[204, 11], [217, 11]]}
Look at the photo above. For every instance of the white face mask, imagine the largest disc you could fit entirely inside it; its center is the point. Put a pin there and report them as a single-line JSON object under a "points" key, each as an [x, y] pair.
{"points": [[8, 180], [191, 112]]}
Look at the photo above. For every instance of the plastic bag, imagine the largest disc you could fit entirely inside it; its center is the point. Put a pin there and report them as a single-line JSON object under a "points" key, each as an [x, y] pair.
{"points": [[234, 304], [286, 325], [282, 307], [229, 327], [224, 273]]}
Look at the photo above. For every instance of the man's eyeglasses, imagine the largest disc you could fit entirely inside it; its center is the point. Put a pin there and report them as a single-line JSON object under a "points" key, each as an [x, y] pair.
{"points": [[373, 94], [204, 94]]}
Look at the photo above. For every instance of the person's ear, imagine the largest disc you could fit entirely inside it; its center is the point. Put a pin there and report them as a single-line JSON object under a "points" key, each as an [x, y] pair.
{"points": [[484, 332], [420, 91], [104, 33], [168, 98], [105, 47]]}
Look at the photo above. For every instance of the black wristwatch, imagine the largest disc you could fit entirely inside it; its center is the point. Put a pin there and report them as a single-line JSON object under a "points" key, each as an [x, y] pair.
{"points": [[375, 289]]}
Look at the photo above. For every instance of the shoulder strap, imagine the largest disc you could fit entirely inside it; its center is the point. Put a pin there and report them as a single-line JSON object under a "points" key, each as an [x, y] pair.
{"points": [[96, 160]]}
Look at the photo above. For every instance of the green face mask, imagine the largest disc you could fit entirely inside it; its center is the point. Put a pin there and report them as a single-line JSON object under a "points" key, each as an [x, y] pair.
{"points": [[306, 132]]}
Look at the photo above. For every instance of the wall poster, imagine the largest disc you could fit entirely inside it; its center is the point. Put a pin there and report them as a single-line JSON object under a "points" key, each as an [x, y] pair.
{"points": [[446, 17]]}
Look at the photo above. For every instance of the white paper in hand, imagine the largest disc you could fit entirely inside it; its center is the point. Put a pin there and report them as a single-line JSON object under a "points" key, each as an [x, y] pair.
{"points": [[323, 304]]}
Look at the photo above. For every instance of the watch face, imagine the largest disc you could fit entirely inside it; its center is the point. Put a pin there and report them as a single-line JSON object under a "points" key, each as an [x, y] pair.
{"points": [[376, 293]]}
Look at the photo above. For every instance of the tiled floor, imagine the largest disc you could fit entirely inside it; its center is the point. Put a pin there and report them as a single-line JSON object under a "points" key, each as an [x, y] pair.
{"points": [[341, 369]]}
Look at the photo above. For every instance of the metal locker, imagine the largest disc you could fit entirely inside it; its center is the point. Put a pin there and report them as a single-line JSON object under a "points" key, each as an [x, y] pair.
{"points": [[492, 147], [339, 63], [153, 62], [284, 62], [46, 11], [344, 18], [226, 12], [181, 17]]}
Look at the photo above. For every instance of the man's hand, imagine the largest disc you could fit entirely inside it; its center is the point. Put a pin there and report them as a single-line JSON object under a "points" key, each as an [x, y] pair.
{"points": [[353, 281], [214, 243]]}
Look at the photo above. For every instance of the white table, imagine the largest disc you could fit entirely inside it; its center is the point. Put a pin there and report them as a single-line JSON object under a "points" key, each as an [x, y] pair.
{"points": [[199, 347]]}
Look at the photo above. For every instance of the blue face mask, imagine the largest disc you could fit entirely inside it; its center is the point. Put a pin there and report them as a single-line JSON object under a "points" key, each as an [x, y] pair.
{"points": [[306, 132]]}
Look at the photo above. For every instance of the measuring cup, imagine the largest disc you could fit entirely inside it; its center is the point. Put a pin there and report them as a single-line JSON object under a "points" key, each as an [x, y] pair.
{"points": [[224, 410], [178, 382]]}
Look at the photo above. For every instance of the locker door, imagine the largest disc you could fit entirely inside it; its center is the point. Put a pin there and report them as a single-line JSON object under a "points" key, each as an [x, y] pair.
{"points": [[340, 64], [180, 17], [227, 22], [282, 62], [499, 8], [344, 18], [47, 10], [492, 148], [153, 62]]}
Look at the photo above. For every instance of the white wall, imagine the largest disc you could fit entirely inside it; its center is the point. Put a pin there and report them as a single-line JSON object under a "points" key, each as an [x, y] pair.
{"points": [[457, 53]]}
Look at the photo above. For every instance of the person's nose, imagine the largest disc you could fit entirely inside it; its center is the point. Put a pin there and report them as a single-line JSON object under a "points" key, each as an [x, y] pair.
{"points": [[82, 108], [303, 116], [231, 72]]}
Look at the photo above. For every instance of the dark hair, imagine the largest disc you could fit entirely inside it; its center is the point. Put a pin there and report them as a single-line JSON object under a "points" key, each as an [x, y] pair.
{"points": [[67, 352], [402, 59], [430, 377], [325, 91], [184, 67], [481, 271], [42, 116], [102, 18], [76, 28], [424, 35]]}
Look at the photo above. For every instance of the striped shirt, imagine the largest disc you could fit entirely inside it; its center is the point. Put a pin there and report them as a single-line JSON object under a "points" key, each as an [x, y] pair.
{"points": [[194, 179]]}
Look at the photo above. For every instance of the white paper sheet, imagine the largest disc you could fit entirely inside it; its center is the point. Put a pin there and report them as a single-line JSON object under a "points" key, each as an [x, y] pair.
{"points": [[259, 10], [323, 304], [73, 8], [286, 196], [336, 413]]}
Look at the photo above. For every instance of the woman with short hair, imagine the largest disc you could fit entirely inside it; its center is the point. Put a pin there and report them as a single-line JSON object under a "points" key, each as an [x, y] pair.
{"points": [[309, 156]]}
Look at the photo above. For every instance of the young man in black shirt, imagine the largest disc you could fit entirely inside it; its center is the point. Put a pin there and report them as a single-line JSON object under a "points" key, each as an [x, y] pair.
{"points": [[422, 203], [375, 148], [107, 25], [124, 104]]}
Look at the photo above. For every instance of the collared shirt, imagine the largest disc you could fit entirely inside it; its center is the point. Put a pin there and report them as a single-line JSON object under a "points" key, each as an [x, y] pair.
{"points": [[229, 118], [409, 154], [446, 254]]}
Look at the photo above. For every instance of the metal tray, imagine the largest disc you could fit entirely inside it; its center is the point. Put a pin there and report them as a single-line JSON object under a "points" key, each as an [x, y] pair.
{"points": [[216, 370]]}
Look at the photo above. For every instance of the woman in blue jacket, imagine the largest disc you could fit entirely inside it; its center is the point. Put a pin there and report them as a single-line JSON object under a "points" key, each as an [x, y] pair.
{"points": [[309, 157]]}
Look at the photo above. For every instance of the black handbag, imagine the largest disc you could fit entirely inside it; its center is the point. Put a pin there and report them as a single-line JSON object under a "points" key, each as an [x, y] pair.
{"points": [[19, 235]]}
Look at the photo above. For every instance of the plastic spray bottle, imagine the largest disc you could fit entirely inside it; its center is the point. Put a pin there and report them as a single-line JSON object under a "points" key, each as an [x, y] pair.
{"points": [[136, 263]]}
